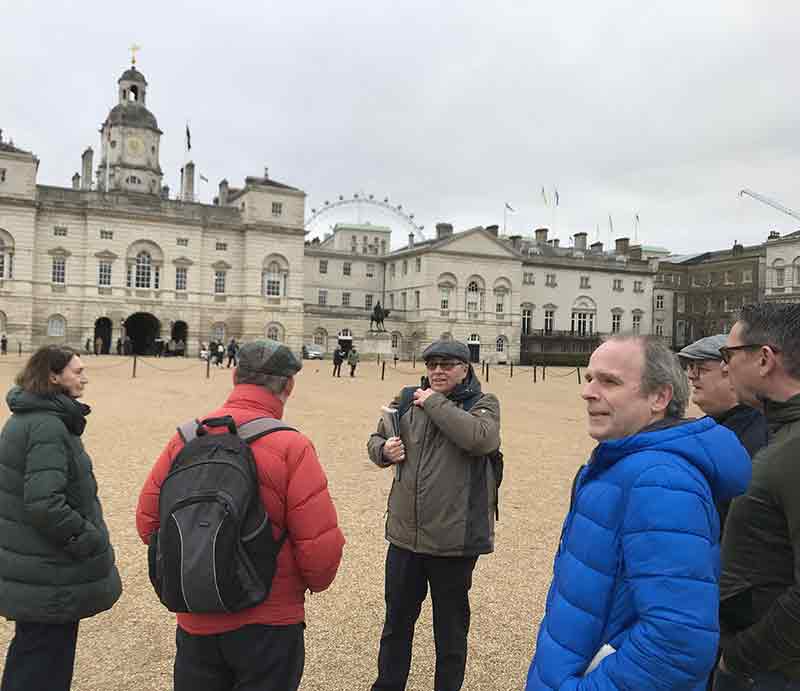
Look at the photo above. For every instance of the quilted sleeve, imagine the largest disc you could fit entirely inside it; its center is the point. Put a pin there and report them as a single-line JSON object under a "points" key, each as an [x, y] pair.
{"points": [[45, 493], [311, 519], [147, 520], [669, 564]]}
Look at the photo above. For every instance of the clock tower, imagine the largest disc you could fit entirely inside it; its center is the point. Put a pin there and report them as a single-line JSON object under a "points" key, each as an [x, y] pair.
{"points": [[130, 141]]}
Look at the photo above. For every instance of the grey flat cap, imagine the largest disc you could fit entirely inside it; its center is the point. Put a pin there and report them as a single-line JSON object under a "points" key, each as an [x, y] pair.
{"points": [[268, 357], [446, 349], [705, 349]]}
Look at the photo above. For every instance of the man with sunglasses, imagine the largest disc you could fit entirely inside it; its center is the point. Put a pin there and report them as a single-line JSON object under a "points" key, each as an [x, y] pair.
{"points": [[759, 588], [441, 511]]}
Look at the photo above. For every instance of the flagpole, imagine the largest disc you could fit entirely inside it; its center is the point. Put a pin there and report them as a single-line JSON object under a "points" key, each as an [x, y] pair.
{"points": [[505, 216]]}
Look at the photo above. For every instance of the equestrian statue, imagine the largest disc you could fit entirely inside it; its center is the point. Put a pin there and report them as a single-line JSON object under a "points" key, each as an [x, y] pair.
{"points": [[377, 317]]}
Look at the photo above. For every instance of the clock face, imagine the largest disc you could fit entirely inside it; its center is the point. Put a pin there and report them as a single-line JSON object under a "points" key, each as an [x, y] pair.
{"points": [[135, 147]]}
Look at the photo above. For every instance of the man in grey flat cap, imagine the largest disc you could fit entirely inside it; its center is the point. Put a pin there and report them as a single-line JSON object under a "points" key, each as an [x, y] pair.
{"points": [[261, 646], [714, 394], [441, 511]]}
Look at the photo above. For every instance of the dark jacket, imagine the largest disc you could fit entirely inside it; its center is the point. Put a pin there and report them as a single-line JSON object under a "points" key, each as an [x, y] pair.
{"points": [[637, 565], [760, 586], [443, 496], [750, 427], [56, 561]]}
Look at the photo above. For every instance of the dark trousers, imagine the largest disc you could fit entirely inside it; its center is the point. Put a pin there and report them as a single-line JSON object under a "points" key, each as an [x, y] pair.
{"points": [[353, 370], [337, 369], [407, 577], [40, 656], [253, 658], [766, 681]]}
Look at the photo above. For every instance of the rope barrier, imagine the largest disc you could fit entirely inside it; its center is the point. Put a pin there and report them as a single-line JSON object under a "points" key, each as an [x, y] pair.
{"points": [[165, 369]]}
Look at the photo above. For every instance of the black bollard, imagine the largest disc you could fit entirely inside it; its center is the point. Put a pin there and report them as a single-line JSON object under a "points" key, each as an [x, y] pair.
{"points": [[487, 372], [208, 366], [534, 373], [544, 372], [578, 370], [383, 370], [134, 366], [414, 360], [20, 348], [512, 371]]}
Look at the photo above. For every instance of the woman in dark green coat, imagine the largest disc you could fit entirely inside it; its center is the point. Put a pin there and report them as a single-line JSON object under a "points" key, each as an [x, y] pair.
{"points": [[56, 561]]}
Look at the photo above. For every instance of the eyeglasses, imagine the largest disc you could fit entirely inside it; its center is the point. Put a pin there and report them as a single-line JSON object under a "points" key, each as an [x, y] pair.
{"points": [[696, 369], [444, 365], [727, 351]]}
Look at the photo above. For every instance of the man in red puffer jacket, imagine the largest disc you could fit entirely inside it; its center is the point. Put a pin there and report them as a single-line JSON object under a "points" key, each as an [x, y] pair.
{"points": [[261, 647]]}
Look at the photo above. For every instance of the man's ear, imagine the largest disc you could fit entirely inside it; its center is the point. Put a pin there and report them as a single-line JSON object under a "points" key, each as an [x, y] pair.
{"points": [[768, 361], [660, 399]]}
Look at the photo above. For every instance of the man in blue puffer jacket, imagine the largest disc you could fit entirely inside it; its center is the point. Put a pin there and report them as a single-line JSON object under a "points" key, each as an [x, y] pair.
{"points": [[634, 600]]}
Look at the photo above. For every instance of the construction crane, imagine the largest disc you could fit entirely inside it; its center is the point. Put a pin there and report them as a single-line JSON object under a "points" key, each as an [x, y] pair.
{"points": [[770, 202]]}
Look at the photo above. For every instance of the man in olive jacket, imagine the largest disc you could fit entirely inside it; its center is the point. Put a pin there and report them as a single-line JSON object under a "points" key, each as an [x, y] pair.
{"points": [[760, 583], [441, 511]]}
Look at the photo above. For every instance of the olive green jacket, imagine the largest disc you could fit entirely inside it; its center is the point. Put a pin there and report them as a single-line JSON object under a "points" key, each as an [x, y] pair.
{"points": [[56, 561], [443, 496]]}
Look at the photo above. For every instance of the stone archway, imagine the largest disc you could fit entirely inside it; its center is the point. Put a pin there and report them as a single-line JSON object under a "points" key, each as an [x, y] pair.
{"points": [[102, 330], [142, 328]]}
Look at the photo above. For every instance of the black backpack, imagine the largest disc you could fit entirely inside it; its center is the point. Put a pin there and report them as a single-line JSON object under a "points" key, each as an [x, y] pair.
{"points": [[214, 550], [495, 458]]}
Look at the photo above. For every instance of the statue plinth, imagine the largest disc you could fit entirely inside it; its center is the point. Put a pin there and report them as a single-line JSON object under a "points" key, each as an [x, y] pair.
{"points": [[378, 342]]}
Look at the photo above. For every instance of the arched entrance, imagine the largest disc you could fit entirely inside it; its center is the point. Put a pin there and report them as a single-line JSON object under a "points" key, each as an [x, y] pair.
{"points": [[474, 345], [143, 329], [102, 330], [180, 330]]}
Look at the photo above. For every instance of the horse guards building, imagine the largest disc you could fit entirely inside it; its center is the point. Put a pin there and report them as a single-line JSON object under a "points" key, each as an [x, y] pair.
{"points": [[115, 257]]}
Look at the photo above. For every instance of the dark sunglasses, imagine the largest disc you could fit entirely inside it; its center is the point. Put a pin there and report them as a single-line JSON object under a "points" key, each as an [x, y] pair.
{"points": [[727, 351], [444, 365]]}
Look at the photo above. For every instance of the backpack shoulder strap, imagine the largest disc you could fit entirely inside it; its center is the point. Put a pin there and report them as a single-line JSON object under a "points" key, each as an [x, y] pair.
{"points": [[261, 427], [188, 430]]}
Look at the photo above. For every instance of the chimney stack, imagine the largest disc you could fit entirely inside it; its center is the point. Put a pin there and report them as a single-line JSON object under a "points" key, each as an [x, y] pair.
{"points": [[596, 247], [516, 242], [223, 193], [411, 240], [773, 235], [443, 230], [553, 243], [188, 182], [76, 181], [636, 252], [621, 246], [580, 241], [87, 160], [493, 229], [541, 235]]}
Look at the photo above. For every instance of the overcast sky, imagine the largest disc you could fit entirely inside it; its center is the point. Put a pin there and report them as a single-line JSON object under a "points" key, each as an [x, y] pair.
{"points": [[452, 109]]}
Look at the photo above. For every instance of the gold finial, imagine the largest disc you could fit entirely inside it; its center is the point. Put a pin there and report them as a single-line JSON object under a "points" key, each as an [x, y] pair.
{"points": [[134, 49]]}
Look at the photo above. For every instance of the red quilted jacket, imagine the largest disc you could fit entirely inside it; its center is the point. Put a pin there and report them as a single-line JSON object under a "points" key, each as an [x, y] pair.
{"points": [[294, 490]]}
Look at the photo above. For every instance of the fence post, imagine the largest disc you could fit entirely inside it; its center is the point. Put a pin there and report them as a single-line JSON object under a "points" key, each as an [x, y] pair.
{"points": [[134, 366], [383, 370], [544, 372], [512, 370], [487, 372], [208, 366], [534, 372], [578, 370], [414, 360], [20, 348]]}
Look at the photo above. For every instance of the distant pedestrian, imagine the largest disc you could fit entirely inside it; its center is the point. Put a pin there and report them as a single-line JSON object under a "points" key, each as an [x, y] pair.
{"points": [[220, 354], [119, 346], [98, 345], [233, 350], [338, 359], [3, 345], [88, 346], [352, 360]]}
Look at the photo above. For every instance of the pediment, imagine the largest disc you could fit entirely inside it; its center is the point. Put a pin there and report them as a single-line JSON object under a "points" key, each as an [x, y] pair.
{"points": [[182, 261], [106, 254], [477, 241]]}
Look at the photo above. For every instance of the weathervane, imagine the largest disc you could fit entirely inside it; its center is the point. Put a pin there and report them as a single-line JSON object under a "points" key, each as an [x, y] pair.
{"points": [[134, 49]]}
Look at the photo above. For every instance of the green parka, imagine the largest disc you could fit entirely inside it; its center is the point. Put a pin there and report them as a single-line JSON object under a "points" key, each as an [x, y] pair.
{"points": [[444, 494], [56, 561]]}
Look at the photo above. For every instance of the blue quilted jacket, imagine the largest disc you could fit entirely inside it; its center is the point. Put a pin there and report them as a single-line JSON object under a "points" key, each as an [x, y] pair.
{"points": [[638, 563]]}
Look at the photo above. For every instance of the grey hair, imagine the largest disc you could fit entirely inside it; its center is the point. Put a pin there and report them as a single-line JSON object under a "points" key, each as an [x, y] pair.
{"points": [[661, 368], [776, 325], [271, 382]]}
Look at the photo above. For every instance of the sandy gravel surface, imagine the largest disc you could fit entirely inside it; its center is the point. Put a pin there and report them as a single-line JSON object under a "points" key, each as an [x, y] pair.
{"points": [[544, 440]]}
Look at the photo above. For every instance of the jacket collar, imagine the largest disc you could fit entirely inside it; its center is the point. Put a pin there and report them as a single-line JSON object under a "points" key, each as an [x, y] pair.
{"points": [[779, 413], [255, 399]]}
